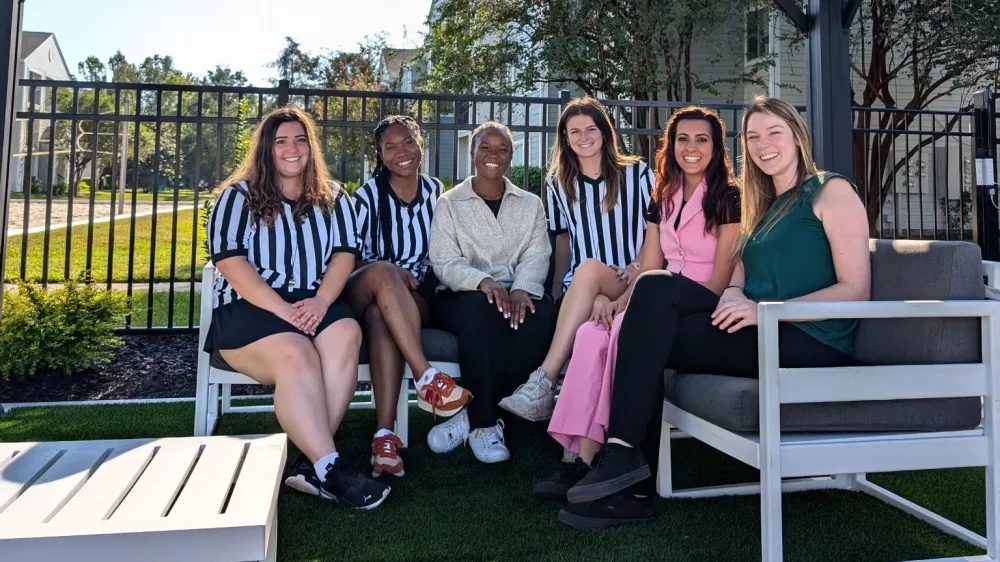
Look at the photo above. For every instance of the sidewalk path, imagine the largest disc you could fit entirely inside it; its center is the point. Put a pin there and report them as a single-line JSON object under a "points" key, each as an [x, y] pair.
{"points": [[179, 286], [81, 213]]}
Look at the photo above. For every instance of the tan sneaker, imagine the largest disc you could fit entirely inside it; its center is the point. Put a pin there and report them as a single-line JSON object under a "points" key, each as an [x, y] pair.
{"points": [[385, 455], [442, 396]]}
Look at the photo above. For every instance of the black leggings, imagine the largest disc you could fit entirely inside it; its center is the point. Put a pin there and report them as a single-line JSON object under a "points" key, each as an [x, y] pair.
{"points": [[668, 324], [494, 358]]}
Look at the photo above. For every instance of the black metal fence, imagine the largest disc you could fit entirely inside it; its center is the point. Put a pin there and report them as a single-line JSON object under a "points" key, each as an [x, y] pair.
{"points": [[110, 180]]}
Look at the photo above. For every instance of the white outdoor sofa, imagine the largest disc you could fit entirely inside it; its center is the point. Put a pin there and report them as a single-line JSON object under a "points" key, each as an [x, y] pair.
{"points": [[213, 396], [932, 345]]}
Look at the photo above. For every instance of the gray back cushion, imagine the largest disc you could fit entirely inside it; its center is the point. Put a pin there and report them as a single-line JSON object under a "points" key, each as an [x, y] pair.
{"points": [[901, 270], [922, 270]]}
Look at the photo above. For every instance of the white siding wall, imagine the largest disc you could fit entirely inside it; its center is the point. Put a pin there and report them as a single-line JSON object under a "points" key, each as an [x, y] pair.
{"points": [[44, 63]]}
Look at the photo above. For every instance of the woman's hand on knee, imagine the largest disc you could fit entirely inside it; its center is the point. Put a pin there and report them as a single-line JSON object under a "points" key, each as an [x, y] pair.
{"points": [[520, 303], [308, 313], [609, 311], [496, 294], [735, 314], [408, 279]]}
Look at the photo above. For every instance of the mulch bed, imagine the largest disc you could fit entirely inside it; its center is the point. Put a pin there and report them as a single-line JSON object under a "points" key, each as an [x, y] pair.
{"points": [[163, 366]]}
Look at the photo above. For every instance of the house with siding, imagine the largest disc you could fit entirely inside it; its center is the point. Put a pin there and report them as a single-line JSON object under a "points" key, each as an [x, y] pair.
{"points": [[40, 59]]}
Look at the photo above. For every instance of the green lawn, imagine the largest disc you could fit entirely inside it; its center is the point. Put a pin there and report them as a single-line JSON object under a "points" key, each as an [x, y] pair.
{"points": [[101, 246], [161, 308], [450, 507], [105, 195]]}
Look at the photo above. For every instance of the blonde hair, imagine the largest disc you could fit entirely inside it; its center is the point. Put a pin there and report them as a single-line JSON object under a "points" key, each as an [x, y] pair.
{"points": [[565, 166], [758, 193]]}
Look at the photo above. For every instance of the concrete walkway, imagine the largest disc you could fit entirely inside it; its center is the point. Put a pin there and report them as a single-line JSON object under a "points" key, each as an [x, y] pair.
{"points": [[81, 214], [179, 286]]}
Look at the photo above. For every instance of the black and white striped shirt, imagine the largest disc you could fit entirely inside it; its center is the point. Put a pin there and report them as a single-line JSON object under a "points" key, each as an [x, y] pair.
{"points": [[289, 254], [407, 226], [614, 238]]}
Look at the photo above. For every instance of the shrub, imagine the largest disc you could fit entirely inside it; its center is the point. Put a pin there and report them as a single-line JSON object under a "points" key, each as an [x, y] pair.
{"points": [[59, 189], [68, 329], [535, 175]]}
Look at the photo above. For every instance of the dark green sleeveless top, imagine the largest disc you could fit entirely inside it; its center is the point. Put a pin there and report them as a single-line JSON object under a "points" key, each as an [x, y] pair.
{"points": [[793, 258]]}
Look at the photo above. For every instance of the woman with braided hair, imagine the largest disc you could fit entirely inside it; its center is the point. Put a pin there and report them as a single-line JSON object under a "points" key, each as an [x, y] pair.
{"points": [[392, 288]]}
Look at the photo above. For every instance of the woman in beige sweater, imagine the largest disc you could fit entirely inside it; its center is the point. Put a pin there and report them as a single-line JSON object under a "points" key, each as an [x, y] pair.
{"points": [[490, 251]]}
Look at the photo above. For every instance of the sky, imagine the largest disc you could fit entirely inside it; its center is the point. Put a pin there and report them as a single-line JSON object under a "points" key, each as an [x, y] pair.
{"points": [[199, 34]]}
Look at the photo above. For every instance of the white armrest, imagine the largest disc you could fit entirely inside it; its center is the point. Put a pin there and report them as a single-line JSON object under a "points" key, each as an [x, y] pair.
{"points": [[991, 269], [780, 385], [772, 312]]}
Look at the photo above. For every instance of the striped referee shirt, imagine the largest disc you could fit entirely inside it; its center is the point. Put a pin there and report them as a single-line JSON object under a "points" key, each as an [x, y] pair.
{"points": [[614, 238], [408, 225], [289, 254]]}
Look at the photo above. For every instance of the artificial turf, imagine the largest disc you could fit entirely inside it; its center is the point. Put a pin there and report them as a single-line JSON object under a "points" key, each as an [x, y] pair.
{"points": [[450, 507]]}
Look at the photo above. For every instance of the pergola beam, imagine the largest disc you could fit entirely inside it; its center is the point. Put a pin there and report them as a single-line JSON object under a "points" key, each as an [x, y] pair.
{"points": [[826, 24], [10, 35]]}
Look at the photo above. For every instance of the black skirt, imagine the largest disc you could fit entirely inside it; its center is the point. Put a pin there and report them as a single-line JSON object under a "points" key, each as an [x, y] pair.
{"points": [[240, 323]]}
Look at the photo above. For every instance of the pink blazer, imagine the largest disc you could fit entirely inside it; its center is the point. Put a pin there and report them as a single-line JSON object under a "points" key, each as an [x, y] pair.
{"points": [[688, 250]]}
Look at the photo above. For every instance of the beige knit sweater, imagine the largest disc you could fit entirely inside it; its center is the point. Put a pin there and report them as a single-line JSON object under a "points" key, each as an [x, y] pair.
{"points": [[468, 244]]}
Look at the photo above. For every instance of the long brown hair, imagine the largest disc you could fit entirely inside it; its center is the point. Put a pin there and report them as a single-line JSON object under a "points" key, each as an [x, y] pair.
{"points": [[565, 165], [260, 172], [758, 192], [719, 177]]}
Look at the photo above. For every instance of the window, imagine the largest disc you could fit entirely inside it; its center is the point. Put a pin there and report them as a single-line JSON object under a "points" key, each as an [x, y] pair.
{"points": [[758, 37]]}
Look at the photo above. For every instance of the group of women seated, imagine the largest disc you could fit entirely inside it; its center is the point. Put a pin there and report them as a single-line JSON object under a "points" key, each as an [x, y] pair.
{"points": [[654, 269]]}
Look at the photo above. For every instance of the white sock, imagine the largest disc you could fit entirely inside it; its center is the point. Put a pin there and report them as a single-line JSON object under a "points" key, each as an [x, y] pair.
{"points": [[383, 433], [425, 379], [321, 465]]}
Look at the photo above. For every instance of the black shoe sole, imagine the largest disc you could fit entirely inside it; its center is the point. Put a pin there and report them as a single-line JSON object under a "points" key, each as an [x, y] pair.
{"points": [[593, 492], [581, 522], [549, 493]]}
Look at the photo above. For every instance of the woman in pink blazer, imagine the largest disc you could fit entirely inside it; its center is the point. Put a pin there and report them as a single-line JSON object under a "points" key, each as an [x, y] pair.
{"points": [[691, 226]]}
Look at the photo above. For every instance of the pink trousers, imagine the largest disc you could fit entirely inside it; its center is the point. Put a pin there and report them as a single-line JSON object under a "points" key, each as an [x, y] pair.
{"points": [[584, 402]]}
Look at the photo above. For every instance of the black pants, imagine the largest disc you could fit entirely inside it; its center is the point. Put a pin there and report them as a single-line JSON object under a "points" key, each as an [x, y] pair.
{"points": [[668, 324], [494, 358]]}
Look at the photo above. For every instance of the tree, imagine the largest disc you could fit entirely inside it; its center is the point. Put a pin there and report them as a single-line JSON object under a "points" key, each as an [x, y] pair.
{"points": [[945, 49], [295, 65], [639, 49]]}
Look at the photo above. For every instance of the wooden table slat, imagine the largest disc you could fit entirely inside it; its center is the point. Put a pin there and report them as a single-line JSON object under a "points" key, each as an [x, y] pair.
{"points": [[257, 485], [152, 493], [22, 468], [206, 489], [54, 488], [107, 486]]}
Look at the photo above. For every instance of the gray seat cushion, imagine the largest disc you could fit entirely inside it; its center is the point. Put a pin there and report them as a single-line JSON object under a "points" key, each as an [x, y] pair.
{"points": [[901, 270], [438, 346]]}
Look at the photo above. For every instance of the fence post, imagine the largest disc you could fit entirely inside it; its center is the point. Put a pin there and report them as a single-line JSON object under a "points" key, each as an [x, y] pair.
{"points": [[563, 98], [10, 35], [985, 210], [283, 85]]}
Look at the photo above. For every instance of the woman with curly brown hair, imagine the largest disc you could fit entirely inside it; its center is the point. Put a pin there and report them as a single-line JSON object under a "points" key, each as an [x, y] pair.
{"points": [[283, 238]]}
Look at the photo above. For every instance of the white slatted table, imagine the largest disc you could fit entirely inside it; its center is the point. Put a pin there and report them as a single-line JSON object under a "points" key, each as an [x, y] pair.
{"points": [[185, 498]]}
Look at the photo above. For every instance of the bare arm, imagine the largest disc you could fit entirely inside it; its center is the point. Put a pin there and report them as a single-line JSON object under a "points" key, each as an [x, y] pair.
{"points": [[650, 258], [724, 266], [340, 268], [561, 266], [249, 284], [846, 224]]}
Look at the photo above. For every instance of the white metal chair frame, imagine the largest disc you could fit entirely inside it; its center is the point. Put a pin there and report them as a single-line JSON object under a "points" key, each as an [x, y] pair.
{"points": [[213, 396], [810, 461]]}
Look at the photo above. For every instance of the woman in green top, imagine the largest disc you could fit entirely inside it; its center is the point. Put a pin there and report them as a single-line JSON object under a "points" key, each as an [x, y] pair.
{"points": [[803, 237]]}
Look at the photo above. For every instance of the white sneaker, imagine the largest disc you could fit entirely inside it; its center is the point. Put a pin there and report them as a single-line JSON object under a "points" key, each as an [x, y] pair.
{"points": [[488, 444], [533, 400], [445, 436]]}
